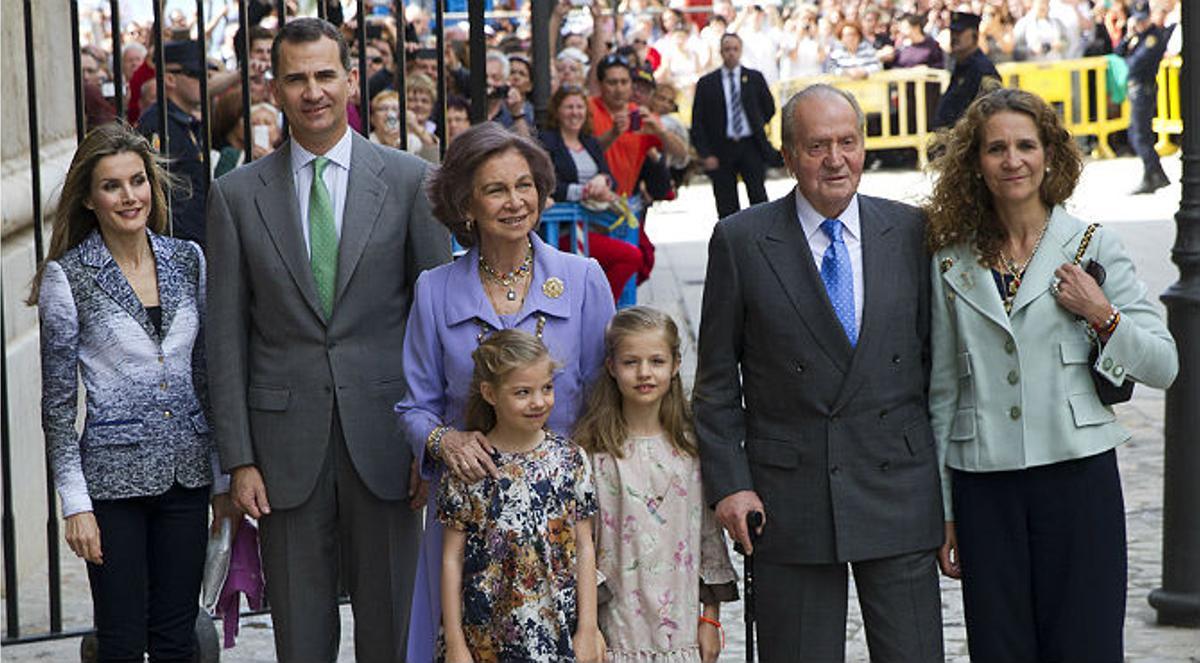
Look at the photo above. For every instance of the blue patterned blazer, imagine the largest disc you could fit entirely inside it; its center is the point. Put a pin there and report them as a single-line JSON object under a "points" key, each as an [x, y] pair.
{"points": [[145, 426]]}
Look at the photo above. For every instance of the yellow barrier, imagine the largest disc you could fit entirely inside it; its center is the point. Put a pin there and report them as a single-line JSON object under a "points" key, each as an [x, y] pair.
{"points": [[894, 99], [1169, 120]]}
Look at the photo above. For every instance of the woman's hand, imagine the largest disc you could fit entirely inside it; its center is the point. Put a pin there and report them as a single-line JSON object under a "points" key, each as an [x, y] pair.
{"points": [[418, 488], [709, 639], [468, 454], [1079, 293], [597, 188], [222, 508], [948, 558], [589, 645], [83, 536]]}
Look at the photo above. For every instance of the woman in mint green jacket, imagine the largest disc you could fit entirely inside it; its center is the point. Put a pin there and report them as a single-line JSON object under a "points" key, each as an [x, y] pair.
{"points": [[1035, 517]]}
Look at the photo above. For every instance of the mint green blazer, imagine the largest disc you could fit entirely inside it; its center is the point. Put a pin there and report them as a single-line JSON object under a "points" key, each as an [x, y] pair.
{"points": [[1009, 392]]}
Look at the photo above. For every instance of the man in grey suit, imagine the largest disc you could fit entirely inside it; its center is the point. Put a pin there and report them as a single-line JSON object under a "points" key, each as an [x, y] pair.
{"points": [[810, 399], [314, 251]]}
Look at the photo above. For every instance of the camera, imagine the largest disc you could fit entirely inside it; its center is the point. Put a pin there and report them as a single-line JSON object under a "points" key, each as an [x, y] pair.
{"points": [[635, 120], [498, 92]]}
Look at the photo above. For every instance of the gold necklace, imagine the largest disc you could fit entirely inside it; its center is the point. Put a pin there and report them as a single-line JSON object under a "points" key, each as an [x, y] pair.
{"points": [[508, 279], [1017, 272]]}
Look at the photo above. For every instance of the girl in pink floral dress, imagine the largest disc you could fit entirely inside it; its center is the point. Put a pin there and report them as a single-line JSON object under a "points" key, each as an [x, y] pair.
{"points": [[658, 547]]}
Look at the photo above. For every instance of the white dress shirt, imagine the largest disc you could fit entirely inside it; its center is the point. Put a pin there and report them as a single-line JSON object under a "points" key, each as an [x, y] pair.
{"points": [[729, 87], [336, 176], [818, 242]]}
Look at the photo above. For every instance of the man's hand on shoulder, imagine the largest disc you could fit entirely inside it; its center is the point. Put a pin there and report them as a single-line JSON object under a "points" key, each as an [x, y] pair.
{"points": [[732, 511]]}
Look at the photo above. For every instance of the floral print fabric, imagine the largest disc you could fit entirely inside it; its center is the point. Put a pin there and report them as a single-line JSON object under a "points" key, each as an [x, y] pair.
{"points": [[519, 560], [656, 544]]}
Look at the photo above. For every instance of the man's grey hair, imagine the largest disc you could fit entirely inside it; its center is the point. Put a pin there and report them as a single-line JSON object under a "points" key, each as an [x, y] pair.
{"points": [[134, 46], [498, 56], [788, 119]]}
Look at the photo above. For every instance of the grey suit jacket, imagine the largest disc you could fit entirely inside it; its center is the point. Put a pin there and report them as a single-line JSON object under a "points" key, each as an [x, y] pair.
{"points": [[836, 440], [279, 371]]}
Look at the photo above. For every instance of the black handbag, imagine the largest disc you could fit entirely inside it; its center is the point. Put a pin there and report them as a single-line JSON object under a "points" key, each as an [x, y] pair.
{"points": [[1109, 393]]}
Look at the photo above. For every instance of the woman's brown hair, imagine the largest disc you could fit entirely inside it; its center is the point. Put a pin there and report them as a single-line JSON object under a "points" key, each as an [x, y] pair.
{"points": [[73, 221], [498, 355], [601, 427], [961, 208], [560, 95], [452, 184]]}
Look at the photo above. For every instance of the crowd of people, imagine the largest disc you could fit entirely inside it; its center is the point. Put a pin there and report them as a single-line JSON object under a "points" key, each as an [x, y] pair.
{"points": [[305, 352]]}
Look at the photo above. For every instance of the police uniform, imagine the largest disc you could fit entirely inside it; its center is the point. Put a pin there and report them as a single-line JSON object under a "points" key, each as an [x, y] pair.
{"points": [[183, 146], [965, 78], [1143, 52]]}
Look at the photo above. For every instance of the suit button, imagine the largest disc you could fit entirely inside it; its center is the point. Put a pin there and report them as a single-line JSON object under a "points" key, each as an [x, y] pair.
{"points": [[160, 359], [163, 386], [833, 470], [895, 359], [883, 414], [799, 368], [950, 296], [1118, 370], [1014, 412], [1108, 363], [1010, 346], [167, 414], [328, 389], [883, 467], [1013, 376]]}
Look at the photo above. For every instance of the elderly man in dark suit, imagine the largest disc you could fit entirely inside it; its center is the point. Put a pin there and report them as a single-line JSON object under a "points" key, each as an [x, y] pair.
{"points": [[314, 251], [731, 110], [810, 399]]}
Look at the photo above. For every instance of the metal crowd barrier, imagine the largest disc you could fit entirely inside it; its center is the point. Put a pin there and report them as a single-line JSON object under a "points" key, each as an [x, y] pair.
{"points": [[1169, 121]]}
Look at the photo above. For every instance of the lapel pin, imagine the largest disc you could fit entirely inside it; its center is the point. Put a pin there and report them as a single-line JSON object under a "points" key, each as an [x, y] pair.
{"points": [[947, 263], [553, 287], [966, 280]]}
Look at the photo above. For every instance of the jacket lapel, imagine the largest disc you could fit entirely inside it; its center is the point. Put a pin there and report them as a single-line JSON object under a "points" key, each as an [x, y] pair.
{"points": [[170, 281], [464, 307], [877, 263], [280, 212], [109, 277], [786, 250], [365, 191], [1052, 253], [967, 279]]}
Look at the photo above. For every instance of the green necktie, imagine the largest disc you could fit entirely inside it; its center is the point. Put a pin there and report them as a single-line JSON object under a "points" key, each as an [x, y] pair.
{"points": [[322, 236]]}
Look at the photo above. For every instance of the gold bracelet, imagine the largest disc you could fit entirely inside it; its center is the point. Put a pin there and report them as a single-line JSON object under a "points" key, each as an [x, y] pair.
{"points": [[433, 443]]}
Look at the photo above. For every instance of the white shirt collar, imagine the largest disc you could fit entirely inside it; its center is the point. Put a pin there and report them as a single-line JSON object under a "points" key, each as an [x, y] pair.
{"points": [[737, 72], [811, 219], [339, 154]]}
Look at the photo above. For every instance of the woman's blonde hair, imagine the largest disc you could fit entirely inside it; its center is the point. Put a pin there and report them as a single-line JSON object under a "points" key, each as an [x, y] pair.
{"points": [[497, 356], [73, 221], [418, 82], [961, 208], [601, 428]]}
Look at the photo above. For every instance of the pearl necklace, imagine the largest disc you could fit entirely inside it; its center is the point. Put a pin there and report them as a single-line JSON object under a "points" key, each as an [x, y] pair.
{"points": [[508, 279]]}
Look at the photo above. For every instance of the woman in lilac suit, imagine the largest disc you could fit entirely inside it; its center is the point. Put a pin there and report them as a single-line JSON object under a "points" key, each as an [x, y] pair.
{"points": [[489, 191]]}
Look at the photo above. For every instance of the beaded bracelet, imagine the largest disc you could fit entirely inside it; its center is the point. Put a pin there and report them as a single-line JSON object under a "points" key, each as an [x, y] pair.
{"points": [[1110, 324], [710, 620], [433, 443]]}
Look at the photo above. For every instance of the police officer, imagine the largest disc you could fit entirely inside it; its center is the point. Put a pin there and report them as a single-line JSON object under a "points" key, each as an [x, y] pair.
{"points": [[183, 145], [1142, 49], [971, 67]]}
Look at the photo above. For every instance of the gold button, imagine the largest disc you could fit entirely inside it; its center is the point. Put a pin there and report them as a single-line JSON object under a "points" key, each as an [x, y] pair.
{"points": [[163, 386], [949, 296], [167, 414], [1014, 412], [1013, 376], [1010, 346], [160, 359]]}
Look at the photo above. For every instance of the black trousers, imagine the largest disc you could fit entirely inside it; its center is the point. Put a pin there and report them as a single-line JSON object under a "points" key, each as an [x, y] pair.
{"points": [[146, 594], [1143, 105], [736, 158], [1043, 561]]}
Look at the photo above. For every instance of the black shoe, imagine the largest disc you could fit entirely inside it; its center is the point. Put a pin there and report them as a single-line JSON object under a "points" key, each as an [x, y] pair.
{"points": [[1160, 179], [1151, 183]]}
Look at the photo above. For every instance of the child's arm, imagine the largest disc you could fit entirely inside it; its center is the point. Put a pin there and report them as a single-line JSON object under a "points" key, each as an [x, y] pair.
{"points": [[587, 641], [708, 635], [453, 542]]}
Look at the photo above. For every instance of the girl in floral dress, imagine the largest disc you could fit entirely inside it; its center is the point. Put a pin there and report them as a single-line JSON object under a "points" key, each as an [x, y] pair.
{"points": [[518, 562], [659, 547]]}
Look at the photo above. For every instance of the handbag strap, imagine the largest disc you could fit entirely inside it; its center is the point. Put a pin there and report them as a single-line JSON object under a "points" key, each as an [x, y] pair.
{"points": [[1087, 239]]}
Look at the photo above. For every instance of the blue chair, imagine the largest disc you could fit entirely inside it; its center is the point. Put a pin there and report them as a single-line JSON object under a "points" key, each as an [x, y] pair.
{"points": [[574, 220]]}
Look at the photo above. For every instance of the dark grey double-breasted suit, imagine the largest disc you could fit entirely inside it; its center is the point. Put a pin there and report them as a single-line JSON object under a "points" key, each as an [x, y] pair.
{"points": [[308, 399], [835, 439]]}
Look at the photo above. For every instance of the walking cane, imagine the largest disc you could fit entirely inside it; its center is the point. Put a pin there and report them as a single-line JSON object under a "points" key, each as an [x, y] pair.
{"points": [[754, 520]]}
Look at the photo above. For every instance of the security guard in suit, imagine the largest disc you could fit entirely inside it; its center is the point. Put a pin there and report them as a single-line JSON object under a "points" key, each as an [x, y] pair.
{"points": [[1143, 48], [971, 68], [184, 144]]}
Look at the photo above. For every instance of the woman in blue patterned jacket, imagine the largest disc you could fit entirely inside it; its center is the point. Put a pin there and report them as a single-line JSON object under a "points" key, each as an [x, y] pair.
{"points": [[123, 307]]}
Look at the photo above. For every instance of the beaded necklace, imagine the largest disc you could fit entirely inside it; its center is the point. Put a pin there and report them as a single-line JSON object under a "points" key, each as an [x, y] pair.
{"points": [[1017, 272], [508, 279]]}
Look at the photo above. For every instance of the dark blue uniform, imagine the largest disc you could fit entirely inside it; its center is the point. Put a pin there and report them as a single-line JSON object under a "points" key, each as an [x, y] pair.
{"points": [[964, 86], [184, 147], [1143, 52]]}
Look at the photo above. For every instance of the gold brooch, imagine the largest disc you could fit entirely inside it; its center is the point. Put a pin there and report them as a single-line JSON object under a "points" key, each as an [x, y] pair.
{"points": [[553, 287], [947, 263]]}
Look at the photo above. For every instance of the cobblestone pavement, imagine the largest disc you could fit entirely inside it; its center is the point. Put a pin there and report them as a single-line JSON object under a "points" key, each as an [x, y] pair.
{"points": [[681, 230]]}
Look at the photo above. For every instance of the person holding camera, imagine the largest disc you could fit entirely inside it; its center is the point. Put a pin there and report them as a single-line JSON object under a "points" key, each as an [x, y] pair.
{"points": [[506, 104]]}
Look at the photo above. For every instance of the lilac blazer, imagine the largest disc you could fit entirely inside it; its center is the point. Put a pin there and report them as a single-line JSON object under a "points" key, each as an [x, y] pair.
{"points": [[443, 330]]}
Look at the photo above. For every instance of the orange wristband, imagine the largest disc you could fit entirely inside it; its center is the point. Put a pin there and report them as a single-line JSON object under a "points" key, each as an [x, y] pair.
{"points": [[710, 620]]}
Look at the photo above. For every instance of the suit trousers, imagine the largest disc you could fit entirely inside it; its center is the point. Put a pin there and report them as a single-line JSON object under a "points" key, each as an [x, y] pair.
{"points": [[342, 527], [801, 609], [146, 593], [1043, 561], [734, 158], [1143, 105]]}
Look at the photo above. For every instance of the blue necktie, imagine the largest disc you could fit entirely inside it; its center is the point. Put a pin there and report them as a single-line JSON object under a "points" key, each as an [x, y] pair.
{"points": [[735, 105], [838, 276]]}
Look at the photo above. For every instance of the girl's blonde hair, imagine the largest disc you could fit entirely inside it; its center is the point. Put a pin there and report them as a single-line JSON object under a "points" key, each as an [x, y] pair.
{"points": [[500, 354], [601, 428]]}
